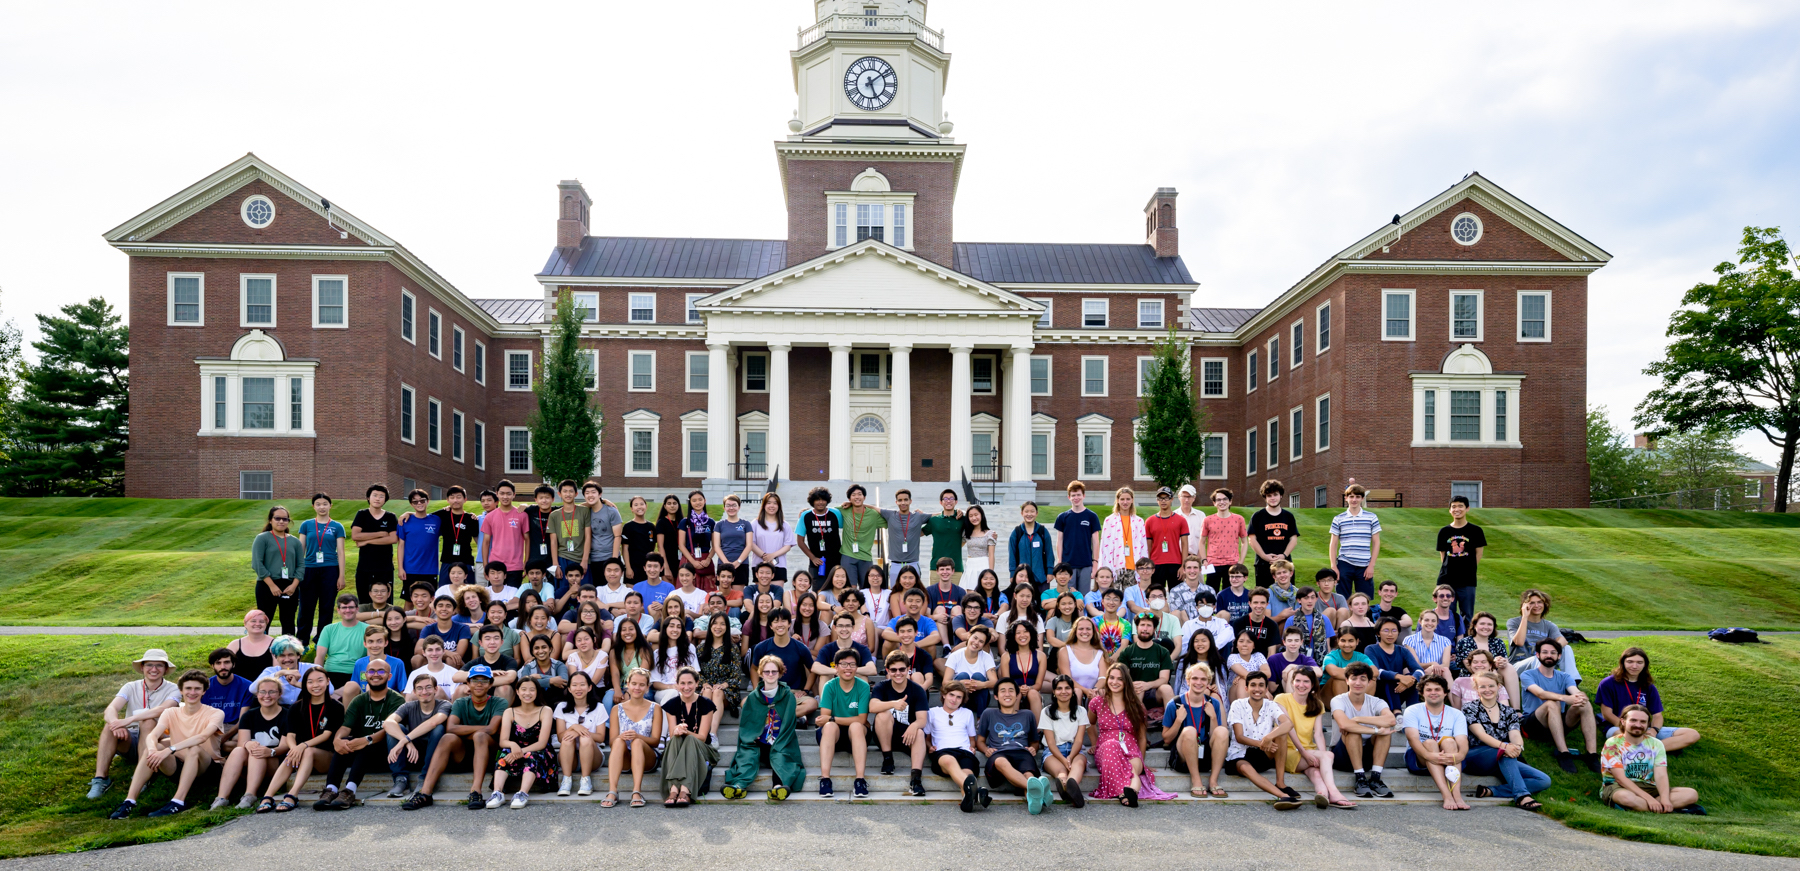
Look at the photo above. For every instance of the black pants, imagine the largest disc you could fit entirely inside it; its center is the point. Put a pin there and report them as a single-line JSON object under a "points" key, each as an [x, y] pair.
{"points": [[318, 595], [350, 767], [366, 577], [276, 606]]}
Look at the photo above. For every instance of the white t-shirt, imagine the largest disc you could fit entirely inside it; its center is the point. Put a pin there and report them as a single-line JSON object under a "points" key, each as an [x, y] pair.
{"points": [[958, 663], [1373, 706], [951, 731], [610, 596], [695, 601], [593, 720], [444, 675], [1218, 626], [595, 670], [659, 674], [1447, 723], [507, 593], [138, 700], [1062, 728], [1256, 725]]}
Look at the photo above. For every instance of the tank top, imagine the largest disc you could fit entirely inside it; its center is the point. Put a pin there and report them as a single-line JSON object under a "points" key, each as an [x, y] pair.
{"points": [[642, 727], [250, 666], [1086, 674], [1029, 678]]}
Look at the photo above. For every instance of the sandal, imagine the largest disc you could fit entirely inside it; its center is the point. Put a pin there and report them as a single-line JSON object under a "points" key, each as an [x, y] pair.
{"points": [[267, 804], [672, 801], [1197, 792], [686, 798], [288, 802], [1219, 792], [637, 799], [1484, 791], [611, 800], [1129, 798], [1527, 803]]}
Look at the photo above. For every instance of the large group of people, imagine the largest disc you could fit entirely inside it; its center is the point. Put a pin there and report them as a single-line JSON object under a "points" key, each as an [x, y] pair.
{"points": [[563, 642]]}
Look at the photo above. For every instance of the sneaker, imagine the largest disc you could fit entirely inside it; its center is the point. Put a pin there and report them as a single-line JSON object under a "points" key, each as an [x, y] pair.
{"points": [[247, 802], [1593, 762], [1567, 761], [417, 801], [496, 800], [731, 792], [982, 798], [219, 802], [1291, 792], [968, 795], [1286, 804], [824, 787], [1695, 809], [587, 786], [169, 810], [562, 788], [1381, 789], [860, 788], [346, 799], [916, 788], [98, 787], [778, 793], [520, 800], [1037, 794], [1453, 773], [402, 786], [326, 797], [714, 741], [123, 810], [476, 802], [1362, 785], [887, 763]]}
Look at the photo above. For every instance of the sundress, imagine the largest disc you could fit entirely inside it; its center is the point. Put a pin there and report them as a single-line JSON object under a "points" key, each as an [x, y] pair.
{"points": [[723, 667], [542, 763], [1115, 745]]}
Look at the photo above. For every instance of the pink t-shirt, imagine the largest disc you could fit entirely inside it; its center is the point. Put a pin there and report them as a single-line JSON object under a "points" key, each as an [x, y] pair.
{"points": [[508, 531], [1224, 533]]}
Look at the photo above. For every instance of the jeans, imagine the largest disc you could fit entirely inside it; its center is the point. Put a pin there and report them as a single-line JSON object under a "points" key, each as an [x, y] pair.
{"points": [[1356, 578], [427, 746], [1663, 734], [318, 599], [1519, 778], [1465, 603]]}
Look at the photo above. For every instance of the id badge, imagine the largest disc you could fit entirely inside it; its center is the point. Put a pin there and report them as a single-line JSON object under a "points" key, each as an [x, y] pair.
{"points": [[543, 550], [319, 557], [1036, 543], [1165, 546], [284, 573], [456, 550], [903, 546]]}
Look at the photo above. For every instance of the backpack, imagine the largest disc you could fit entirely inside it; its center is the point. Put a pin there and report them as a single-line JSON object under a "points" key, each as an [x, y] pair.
{"points": [[1736, 635]]}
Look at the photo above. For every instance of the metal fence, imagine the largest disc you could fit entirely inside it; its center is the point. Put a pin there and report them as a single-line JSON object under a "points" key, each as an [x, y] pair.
{"points": [[1735, 497]]}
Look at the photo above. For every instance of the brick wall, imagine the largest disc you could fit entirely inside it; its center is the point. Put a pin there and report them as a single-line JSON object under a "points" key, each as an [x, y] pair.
{"points": [[931, 218], [223, 222]]}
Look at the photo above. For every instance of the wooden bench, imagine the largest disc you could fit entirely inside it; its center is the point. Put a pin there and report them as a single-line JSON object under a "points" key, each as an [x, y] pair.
{"points": [[1385, 497]]}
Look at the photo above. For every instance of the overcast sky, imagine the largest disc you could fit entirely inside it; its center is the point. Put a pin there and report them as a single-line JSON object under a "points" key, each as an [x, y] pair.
{"points": [[1656, 130]]}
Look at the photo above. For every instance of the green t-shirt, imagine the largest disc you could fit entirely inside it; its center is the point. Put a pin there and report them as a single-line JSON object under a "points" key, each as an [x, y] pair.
{"points": [[946, 539], [859, 533], [343, 646], [365, 714], [1146, 663], [464, 711], [570, 526], [842, 703]]}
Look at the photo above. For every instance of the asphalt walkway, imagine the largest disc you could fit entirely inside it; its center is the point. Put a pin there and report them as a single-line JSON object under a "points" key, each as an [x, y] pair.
{"points": [[236, 630]]}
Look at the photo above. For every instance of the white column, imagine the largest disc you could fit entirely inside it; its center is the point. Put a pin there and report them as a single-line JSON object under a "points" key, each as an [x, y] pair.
{"points": [[718, 412], [900, 415], [961, 442], [839, 467], [1018, 414], [778, 410]]}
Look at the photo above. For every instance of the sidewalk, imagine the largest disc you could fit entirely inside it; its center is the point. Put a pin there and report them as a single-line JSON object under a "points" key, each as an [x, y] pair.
{"points": [[121, 630]]}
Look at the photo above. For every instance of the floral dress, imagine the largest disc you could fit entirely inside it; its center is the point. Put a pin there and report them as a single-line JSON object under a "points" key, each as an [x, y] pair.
{"points": [[1115, 745], [541, 763], [1459, 654], [722, 666]]}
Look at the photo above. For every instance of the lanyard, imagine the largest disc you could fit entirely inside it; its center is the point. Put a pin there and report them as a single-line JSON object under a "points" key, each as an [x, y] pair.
{"points": [[319, 535], [1436, 727], [456, 525], [281, 543]]}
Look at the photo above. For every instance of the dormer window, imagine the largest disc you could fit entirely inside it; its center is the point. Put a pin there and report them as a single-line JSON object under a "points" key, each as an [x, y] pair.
{"points": [[871, 209]]}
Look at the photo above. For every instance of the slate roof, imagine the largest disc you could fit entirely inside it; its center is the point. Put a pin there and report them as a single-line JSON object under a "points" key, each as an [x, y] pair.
{"points": [[1051, 263], [513, 311], [637, 257], [1220, 320]]}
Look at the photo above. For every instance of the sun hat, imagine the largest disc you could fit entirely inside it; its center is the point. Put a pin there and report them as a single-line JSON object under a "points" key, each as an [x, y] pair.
{"points": [[154, 654]]}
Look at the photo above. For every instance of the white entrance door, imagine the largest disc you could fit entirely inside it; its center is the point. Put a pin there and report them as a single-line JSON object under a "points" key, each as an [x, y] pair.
{"points": [[868, 449]]}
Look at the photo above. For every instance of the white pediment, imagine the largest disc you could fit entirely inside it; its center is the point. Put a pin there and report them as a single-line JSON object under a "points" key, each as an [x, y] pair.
{"points": [[258, 347], [1467, 360], [870, 276]]}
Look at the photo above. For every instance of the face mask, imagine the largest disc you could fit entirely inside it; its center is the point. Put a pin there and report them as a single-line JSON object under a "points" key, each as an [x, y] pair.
{"points": [[1158, 604], [1205, 611]]}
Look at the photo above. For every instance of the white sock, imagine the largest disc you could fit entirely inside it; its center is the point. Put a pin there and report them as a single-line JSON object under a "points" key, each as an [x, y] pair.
{"points": [[1376, 769], [1359, 771], [350, 788]]}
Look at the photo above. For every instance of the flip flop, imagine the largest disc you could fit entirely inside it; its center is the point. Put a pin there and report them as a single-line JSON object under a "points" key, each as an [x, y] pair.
{"points": [[1344, 804], [1484, 791], [1219, 792], [1527, 803], [1197, 792]]}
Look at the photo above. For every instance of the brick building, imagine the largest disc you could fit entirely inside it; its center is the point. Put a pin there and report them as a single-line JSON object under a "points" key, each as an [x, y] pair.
{"points": [[1445, 352]]}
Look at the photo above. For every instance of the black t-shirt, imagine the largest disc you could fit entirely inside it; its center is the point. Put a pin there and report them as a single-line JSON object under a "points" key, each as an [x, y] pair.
{"points": [[1266, 633], [266, 731], [499, 664], [458, 534], [375, 560], [922, 661], [823, 535], [1458, 547], [538, 551], [683, 713], [306, 721], [671, 551], [916, 704], [640, 537], [1272, 531]]}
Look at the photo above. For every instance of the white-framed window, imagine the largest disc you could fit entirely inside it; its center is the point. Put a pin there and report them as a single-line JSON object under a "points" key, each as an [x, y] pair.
{"points": [[1250, 446], [256, 301], [1094, 313], [1213, 465], [984, 439], [434, 433], [243, 398], [1138, 471], [642, 431], [699, 371], [187, 299], [1534, 316], [1251, 370], [296, 403], [1274, 358], [1466, 410], [868, 213], [1501, 406], [840, 224], [1040, 376], [1296, 433], [407, 401], [1430, 414], [480, 364], [1321, 497], [694, 446], [1322, 316], [899, 211], [1044, 320], [331, 302], [1299, 342], [1322, 424], [1465, 415], [756, 372], [257, 211], [693, 313], [1466, 320], [1094, 432], [518, 370], [456, 347], [1466, 228], [1093, 376], [478, 444], [1213, 374], [408, 308], [871, 221], [1150, 314], [456, 435], [1293, 500], [518, 450], [984, 374], [1043, 447], [221, 403], [1396, 315], [590, 367], [642, 308], [1274, 428], [872, 370], [259, 403], [1470, 490], [1753, 488], [1146, 369], [587, 304], [256, 485], [642, 366], [434, 333]]}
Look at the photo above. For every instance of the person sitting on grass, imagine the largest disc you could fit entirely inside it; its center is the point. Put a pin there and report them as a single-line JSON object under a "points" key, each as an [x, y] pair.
{"points": [[414, 730], [1631, 684], [137, 703], [1554, 704], [951, 728], [1259, 741], [360, 745], [259, 743], [1008, 737], [1438, 739], [766, 736], [179, 744], [311, 721], [1532, 626], [1495, 744], [1635, 770], [1307, 752], [1197, 721], [1365, 728], [844, 718]]}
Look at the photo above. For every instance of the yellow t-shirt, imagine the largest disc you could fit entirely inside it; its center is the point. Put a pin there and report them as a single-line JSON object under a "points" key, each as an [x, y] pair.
{"points": [[1303, 725]]}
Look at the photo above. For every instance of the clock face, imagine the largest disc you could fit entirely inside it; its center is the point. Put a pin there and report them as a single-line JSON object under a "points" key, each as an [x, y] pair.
{"points": [[870, 83]]}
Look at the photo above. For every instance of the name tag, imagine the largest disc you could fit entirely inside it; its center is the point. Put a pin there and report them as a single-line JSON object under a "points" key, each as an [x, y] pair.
{"points": [[318, 558], [456, 550], [1036, 543], [1165, 547], [903, 547], [543, 550], [284, 572]]}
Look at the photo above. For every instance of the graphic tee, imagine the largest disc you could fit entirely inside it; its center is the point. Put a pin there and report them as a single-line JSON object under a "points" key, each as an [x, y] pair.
{"points": [[1458, 547]]}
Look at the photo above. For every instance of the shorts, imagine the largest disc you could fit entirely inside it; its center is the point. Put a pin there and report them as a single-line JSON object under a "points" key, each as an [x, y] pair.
{"points": [[964, 758], [1341, 761], [1258, 760], [1021, 760], [1178, 761], [1607, 790], [843, 738], [338, 678], [1165, 575], [1152, 703], [1066, 748]]}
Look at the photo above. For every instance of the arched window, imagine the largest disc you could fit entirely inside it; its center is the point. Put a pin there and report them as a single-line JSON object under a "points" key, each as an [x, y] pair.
{"points": [[869, 423]]}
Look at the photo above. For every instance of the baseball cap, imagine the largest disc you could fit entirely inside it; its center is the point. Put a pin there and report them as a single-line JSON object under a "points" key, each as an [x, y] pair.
{"points": [[1189, 489], [1164, 491], [476, 671]]}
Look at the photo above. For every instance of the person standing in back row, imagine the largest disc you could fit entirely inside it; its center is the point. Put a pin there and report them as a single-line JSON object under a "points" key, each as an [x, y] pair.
{"points": [[1079, 535], [459, 532], [904, 526], [1223, 537], [275, 557], [418, 536], [860, 525], [605, 526], [946, 531], [323, 571], [373, 531], [1274, 532], [1355, 542], [503, 534], [1167, 534], [1459, 547]]}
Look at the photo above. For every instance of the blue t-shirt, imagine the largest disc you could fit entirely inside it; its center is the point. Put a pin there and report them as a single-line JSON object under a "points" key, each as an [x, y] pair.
{"points": [[1077, 529], [419, 543], [1237, 604], [1558, 682], [734, 536], [396, 672], [653, 593], [1209, 708], [926, 625], [459, 632], [321, 541], [232, 698], [1619, 695], [795, 657]]}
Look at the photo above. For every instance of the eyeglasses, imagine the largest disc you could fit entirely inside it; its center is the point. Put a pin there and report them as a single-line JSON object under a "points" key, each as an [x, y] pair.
{"points": [[279, 519], [1444, 596]]}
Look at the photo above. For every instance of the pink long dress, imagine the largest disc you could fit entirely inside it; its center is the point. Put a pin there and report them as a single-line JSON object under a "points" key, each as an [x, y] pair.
{"points": [[1115, 745]]}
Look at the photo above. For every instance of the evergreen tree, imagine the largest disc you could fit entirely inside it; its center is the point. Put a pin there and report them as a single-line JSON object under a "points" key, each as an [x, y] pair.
{"points": [[70, 424], [565, 429], [1169, 420]]}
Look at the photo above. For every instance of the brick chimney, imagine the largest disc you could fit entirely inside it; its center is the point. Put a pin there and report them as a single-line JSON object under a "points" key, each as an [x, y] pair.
{"points": [[1643, 442], [1159, 223], [572, 204]]}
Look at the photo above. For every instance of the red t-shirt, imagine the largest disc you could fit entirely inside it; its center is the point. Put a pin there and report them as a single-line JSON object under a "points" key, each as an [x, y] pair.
{"points": [[1165, 535]]}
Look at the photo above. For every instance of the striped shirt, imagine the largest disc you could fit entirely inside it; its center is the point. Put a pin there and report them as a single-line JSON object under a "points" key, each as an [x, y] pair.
{"points": [[1353, 532]]}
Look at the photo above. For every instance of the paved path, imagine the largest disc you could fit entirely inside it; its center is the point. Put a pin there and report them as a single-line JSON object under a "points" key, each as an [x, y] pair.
{"points": [[838, 837], [236, 630]]}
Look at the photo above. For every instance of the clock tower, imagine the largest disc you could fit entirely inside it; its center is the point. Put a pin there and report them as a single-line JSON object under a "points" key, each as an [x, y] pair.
{"points": [[869, 152]]}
